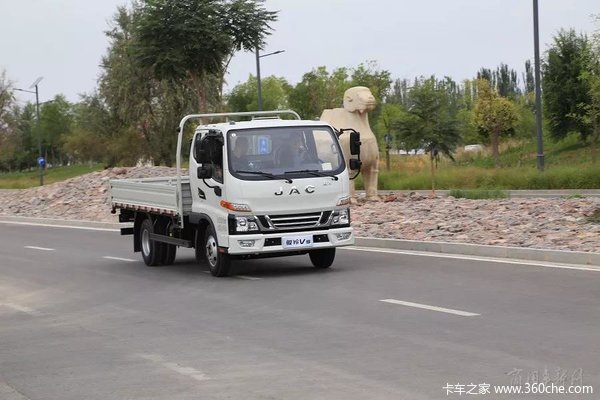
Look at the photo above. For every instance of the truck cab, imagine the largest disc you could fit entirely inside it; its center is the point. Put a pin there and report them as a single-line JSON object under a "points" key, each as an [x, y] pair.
{"points": [[260, 188]]}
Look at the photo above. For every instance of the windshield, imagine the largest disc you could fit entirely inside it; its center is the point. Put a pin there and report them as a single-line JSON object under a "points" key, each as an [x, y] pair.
{"points": [[295, 152]]}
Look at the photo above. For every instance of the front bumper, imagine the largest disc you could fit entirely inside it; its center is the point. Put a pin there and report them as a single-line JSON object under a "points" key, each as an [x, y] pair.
{"points": [[272, 242]]}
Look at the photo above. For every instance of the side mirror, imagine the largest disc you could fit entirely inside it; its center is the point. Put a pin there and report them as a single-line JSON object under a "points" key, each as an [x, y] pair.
{"points": [[355, 164], [205, 171], [200, 152], [354, 143]]}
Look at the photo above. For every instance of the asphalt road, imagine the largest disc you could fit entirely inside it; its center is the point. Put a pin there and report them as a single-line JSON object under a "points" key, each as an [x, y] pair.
{"points": [[77, 325]]}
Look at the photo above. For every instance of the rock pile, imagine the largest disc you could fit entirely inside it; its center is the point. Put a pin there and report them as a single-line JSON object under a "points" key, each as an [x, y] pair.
{"points": [[85, 197], [564, 224]]}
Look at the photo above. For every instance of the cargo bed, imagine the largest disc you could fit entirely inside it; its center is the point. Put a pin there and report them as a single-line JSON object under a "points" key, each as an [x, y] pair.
{"points": [[157, 195]]}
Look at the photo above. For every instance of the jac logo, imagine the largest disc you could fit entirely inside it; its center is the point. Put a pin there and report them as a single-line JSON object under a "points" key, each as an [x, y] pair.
{"points": [[294, 190]]}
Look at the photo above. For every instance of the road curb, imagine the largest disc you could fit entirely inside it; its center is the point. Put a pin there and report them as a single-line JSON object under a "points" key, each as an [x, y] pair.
{"points": [[520, 253], [554, 256], [513, 194]]}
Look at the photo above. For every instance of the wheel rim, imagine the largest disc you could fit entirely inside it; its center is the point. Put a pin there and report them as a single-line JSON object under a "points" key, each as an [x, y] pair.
{"points": [[211, 251], [146, 242]]}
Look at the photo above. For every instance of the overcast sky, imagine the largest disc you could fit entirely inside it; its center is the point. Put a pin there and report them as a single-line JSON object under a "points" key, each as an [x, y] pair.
{"points": [[63, 40]]}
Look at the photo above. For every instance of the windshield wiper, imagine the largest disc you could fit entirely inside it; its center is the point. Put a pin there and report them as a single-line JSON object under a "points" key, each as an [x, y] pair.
{"points": [[313, 172], [265, 174]]}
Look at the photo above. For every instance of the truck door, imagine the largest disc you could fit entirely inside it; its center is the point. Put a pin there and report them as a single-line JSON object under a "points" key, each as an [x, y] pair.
{"points": [[206, 178]]}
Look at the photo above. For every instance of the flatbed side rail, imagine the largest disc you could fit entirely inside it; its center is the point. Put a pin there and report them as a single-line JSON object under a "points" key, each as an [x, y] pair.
{"points": [[213, 115]]}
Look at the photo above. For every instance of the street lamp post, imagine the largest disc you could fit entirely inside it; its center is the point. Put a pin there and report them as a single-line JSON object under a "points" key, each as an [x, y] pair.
{"points": [[258, 57], [538, 88], [39, 133]]}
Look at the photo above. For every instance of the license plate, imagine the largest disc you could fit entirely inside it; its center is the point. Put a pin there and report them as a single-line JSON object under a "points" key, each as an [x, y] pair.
{"points": [[293, 242]]}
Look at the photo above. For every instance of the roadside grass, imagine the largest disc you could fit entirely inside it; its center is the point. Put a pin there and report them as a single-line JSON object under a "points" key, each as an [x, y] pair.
{"points": [[27, 179], [515, 178], [568, 165]]}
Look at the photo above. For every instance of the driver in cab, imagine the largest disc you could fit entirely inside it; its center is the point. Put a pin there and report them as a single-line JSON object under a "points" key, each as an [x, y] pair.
{"points": [[239, 159]]}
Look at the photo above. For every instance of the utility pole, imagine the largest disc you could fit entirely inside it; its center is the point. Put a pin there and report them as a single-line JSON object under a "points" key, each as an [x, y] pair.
{"points": [[40, 160], [39, 133], [538, 88], [260, 105], [258, 82]]}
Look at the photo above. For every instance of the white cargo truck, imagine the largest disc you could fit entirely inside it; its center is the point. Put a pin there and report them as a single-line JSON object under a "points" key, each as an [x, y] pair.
{"points": [[258, 188]]}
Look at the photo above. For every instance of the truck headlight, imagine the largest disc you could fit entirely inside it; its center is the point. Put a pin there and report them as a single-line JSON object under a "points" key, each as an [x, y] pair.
{"points": [[341, 217], [344, 201], [245, 224]]}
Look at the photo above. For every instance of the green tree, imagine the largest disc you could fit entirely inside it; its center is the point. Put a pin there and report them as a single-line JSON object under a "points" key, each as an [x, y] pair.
{"points": [[503, 80], [399, 92], [196, 39], [494, 115], [275, 92], [591, 116], [6, 99], [389, 117], [91, 131], [377, 80], [26, 130], [319, 90], [8, 136], [143, 111], [429, 122], [55, 124], [566, 95], [591, 111], [84, 146]]}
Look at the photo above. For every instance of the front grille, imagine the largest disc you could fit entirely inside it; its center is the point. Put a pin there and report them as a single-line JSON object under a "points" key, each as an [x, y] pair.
{"points": [[295, 221]]}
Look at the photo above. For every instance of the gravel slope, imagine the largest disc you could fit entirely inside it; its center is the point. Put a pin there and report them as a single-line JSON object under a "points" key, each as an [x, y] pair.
{"points": [[537, 223]]}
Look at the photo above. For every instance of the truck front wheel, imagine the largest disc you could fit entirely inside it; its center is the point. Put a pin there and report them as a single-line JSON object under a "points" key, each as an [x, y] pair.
{"points": [[218, 263], [151, 250], [322, 258]]}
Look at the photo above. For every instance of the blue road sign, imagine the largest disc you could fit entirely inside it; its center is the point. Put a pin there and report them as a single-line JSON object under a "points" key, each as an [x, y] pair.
{"points": [[41, 162]]}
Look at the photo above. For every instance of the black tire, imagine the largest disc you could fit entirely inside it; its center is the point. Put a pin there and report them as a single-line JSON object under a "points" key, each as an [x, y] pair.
{"points": [[199, 245], [218, 263], [151, 250], [322, 258], [169, 254], [169, 251]]}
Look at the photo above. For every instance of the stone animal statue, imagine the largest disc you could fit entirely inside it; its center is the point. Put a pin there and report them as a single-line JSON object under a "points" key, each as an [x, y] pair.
{"points": [[358, 101]]}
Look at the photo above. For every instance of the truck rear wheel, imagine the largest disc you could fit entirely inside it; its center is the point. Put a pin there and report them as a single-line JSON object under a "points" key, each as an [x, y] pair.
{"points": [[218, 263], [151, 250], [322, 258], [164, 226]]}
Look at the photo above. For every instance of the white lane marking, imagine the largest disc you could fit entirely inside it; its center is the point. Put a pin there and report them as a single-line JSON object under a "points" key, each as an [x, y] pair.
{"points": [[119, 258], [21, 308], [249, 278], [206, 272], [60, 226], [38, 248], [185, 371], [476, 258], [432, 308]]}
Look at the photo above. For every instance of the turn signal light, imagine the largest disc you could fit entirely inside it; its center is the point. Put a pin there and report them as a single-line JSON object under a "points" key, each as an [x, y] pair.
{"points": [[235, 206]]}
